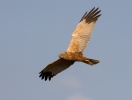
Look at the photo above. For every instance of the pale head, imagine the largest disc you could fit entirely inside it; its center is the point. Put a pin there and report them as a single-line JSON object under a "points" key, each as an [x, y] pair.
{"points": [[63, 55]]}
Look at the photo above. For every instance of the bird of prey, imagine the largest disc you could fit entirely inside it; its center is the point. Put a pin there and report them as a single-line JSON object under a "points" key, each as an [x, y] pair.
{"points": [[79, 40]]}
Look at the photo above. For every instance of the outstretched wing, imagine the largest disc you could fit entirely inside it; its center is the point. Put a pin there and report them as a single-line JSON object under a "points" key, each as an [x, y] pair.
{"points": [[83, 31], [55, 68]]}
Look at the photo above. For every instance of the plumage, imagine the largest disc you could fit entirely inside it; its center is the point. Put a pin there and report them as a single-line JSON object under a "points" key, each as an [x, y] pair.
{"points": [[55, 68], [83, 31], [78, 43]]}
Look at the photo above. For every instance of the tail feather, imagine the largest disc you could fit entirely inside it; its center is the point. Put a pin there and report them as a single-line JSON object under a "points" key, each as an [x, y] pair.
{"points": [[94, 61], [91, 61]]}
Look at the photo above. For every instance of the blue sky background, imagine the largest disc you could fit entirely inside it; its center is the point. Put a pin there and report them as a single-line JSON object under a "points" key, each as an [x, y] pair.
{"points": [[34, 32]]}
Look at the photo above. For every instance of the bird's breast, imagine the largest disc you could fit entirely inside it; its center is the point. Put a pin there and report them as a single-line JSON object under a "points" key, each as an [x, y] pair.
{"points": [[74, 57]]}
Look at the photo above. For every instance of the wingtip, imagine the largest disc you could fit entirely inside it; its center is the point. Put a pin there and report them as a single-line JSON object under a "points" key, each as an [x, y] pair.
{"points": [[45, 75], [93, 11], [93, 8], [98, 9], [93, 15]]}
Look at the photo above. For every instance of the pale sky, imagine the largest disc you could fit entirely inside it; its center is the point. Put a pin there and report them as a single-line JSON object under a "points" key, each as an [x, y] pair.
{"points": [[34, 32]]}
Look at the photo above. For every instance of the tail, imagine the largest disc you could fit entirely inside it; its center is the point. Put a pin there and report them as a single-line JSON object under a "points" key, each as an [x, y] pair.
{"points": [[91, 61]]}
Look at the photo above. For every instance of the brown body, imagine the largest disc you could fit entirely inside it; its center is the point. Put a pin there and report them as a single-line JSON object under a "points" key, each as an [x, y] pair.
{"points": [[77, 57]]}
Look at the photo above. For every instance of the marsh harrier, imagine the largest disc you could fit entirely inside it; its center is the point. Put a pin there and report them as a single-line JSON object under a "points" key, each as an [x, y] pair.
{"points": [[78, 43]]}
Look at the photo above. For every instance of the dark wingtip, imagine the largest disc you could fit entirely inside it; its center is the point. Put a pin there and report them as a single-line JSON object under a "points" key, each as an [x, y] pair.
{"points": [[92, 15], [45, 75], [94, 12]]}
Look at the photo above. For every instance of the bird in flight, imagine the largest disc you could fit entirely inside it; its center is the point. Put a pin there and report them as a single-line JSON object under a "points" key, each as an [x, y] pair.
{"points": [[79, 40]]}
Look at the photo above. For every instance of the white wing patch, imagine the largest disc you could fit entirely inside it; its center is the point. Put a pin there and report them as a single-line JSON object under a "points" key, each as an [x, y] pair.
{"points": [[80, 37]]}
